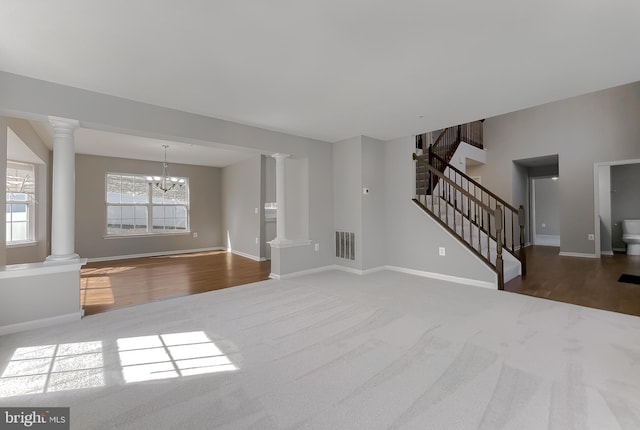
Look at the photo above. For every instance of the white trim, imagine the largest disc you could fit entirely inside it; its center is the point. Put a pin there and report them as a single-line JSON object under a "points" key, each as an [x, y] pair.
{"points": [[140, 235], [326, 268], [244, 254], [39, 269], [156, 254], [432, 275], [577, 254], [606, 252], [303, 272], [348, 269], [289, 243], [22, 244], [443, 277], [358, 271], [41, 323]]}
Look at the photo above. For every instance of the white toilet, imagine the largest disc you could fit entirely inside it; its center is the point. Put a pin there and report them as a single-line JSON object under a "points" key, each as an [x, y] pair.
{"points": [[631, 235]]}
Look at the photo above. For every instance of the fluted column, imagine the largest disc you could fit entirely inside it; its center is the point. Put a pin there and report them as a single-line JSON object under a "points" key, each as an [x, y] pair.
{"points": [[281, 217], [63, 190]]}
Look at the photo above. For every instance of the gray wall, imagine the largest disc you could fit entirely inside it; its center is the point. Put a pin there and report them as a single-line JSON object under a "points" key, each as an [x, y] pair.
{"points": [[359, 163], [547, 202], [270, 180], [347, 191], [37, 295], [241, 225], [625, 199], [31, 98], [373, 209], [297, 198], [601, 126], [205, 211]]}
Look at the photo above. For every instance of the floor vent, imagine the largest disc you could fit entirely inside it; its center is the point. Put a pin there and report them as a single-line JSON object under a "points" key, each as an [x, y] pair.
{"points": [[346, 245]]}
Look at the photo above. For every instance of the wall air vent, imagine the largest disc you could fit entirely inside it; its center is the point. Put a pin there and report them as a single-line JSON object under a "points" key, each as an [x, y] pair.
{"points": [[346, 245]]}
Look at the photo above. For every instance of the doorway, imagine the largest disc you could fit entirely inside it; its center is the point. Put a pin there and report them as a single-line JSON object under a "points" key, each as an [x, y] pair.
{"points": [[615, 199], [527, 174], [544, 211]]}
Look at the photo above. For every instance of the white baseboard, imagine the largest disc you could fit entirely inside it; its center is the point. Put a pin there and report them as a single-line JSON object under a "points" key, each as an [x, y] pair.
{"points": [[606, 252], [324, 269], [41, 323], [432, 275], [245, 255], [303, 272], [155, 254], [443, 277], [577, 254]]}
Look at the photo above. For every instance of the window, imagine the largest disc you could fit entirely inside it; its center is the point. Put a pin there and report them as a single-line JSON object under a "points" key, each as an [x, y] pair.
{"points": [[20, 202], [136, 207]]}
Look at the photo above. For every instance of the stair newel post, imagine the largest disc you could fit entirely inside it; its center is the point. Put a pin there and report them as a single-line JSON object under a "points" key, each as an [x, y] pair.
{"points": [[499, 262], [489, 234], [522, 254]]}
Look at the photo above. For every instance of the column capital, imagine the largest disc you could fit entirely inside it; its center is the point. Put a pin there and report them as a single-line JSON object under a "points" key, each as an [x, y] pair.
{"points": [[62, 125], [280, 155]]}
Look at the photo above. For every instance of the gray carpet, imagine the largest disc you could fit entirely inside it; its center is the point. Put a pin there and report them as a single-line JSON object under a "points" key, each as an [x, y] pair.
{"points": [[335, 351]]}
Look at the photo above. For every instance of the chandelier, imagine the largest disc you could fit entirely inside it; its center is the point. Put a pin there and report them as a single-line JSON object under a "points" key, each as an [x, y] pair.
{"points": [[165, 182]]}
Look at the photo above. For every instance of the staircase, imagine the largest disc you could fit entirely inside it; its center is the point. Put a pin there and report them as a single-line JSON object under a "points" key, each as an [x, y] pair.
{"points": [[482, 221]]}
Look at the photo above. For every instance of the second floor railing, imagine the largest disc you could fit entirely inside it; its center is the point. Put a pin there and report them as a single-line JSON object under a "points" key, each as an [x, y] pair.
{"points": [[447, 141]]}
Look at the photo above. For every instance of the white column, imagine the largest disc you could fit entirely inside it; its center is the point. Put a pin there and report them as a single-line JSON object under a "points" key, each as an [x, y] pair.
{"points": [[63, 197], [281, 217]]}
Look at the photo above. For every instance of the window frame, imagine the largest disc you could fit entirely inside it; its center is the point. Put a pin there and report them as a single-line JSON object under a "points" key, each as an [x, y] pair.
{"points": [[149, 205], [30, 204]]}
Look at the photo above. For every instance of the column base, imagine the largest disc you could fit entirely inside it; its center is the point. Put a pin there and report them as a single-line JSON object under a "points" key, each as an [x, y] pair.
{"points": [[65, 257], [279, 241], [288, 243]]}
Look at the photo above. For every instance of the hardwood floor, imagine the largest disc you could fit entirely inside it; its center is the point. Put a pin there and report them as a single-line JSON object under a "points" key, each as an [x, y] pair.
{"points": [[581, 281], [116, 284]]}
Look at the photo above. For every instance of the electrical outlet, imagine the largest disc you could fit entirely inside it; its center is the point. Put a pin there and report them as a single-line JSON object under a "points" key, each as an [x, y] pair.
{"points": [[317, 247], [591, 236], [195, 234], [441, 251], [257, 240]]}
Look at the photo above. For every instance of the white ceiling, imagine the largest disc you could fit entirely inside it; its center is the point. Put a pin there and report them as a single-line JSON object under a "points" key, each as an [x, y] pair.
{"points": [[328, 69]]}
